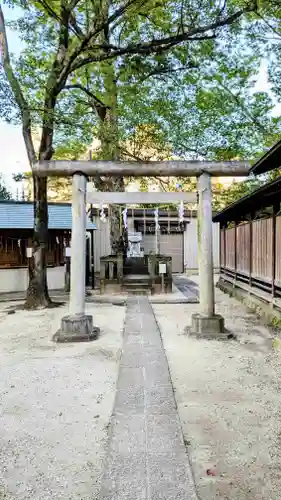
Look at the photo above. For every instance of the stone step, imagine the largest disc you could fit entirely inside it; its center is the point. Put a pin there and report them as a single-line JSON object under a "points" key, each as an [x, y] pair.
{"points": [[137, 278], [137, 283], [136, 286], [139, 291]]}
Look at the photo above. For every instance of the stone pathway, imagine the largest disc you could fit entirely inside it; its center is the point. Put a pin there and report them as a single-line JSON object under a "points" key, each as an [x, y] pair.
{"points": [[147, 458]]}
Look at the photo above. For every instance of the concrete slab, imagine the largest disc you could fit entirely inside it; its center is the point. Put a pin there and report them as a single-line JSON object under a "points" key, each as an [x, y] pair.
{"points": [[186, 286], [147, 458], [184, 294]]}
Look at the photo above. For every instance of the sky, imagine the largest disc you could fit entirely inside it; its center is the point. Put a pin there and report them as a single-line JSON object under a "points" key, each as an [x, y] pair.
{"points": [[13, 154]]}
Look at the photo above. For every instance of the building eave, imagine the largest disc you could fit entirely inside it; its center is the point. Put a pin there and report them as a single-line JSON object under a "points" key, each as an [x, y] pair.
{"points": [[269, 161]]}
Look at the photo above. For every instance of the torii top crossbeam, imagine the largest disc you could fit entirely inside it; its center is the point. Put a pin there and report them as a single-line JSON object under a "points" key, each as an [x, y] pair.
{"points": [[192, 168]]}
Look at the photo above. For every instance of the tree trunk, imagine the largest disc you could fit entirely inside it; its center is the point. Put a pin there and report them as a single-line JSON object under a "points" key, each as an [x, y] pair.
{"points": [[109, 139], [37, 293], [116, 231]]}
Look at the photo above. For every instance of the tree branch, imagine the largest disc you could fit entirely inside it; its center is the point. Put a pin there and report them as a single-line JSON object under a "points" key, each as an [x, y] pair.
{"points": [[16, 89], [105, 24], [48, 9], [54, 85], [164, 71], [72, 21], [243, 108], [64, 33], [181, 25], [125, 152], [163, 184], [222, 8], [157, 45], [97, 105], [90, 94], [269, 25], [73, 4], [194, 150]]}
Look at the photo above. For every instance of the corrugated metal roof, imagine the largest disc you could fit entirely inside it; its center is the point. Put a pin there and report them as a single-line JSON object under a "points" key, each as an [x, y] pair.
{"points": [[19, 215]]}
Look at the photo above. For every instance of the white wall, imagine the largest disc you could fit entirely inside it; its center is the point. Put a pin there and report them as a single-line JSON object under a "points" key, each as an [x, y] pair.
{"points": [[16, 280], [101, 241], [191, 246], [55, 277]]}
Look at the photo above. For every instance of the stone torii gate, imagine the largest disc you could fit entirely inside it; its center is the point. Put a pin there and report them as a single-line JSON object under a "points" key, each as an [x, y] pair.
{"points": [[78, 326]]}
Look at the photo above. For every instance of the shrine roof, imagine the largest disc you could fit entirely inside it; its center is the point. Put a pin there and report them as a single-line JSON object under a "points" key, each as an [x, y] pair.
{"points": [[263, 197], [20, 215]]}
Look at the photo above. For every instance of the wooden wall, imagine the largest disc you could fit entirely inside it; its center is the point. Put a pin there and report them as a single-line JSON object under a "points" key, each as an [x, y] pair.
{"points": [[251, 252], [13, 244]]}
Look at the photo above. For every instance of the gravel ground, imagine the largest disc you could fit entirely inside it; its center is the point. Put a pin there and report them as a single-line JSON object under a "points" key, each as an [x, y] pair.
{"points": [[229, 402], [55, 404]]}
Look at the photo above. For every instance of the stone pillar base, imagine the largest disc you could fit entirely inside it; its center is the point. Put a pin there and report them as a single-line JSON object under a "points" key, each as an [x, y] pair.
{"points": [[76, 328], [208, 327]]}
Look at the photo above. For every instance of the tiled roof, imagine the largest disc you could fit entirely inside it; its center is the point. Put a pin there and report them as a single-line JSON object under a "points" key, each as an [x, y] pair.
{"points": [[19, 215]]}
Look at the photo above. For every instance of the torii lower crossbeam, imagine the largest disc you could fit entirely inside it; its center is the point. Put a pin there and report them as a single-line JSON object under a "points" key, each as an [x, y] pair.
{"points": [[139, 197]]}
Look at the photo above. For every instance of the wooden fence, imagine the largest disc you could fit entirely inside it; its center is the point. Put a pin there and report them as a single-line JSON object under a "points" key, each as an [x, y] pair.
{"points": [[13, 251], [251, 253]]}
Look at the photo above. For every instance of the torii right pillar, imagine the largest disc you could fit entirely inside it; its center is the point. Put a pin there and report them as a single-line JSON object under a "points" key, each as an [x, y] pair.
{"points": [[206, 324]]}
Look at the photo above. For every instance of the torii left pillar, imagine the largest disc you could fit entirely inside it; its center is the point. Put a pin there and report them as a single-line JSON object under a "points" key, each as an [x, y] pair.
{"points": [[77, 326]]}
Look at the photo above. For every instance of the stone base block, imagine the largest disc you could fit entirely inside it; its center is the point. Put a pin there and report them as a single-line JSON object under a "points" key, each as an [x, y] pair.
{"points": [[76, 328], [208, 327]]}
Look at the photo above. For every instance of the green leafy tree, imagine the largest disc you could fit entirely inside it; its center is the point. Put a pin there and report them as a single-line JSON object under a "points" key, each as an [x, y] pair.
{"points": [[224, 196], [82, 58], [4, 193]]}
